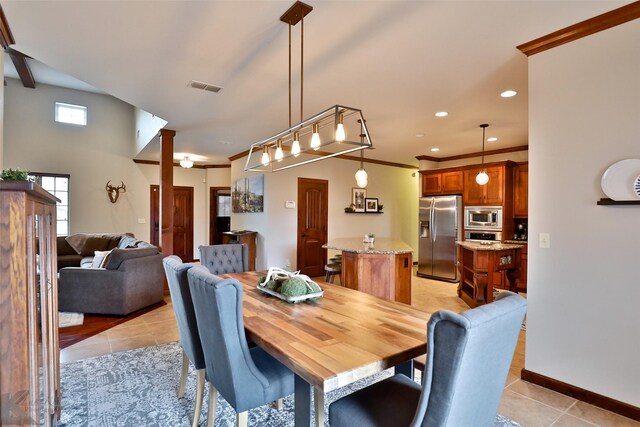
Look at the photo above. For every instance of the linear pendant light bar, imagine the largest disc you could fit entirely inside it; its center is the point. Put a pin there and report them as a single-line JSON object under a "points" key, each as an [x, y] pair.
{"points": [[326, 121], [336, 130]]}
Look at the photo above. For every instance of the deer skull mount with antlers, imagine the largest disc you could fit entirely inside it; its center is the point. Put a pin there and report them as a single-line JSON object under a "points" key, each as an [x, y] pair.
{"points": [[114, 192]]}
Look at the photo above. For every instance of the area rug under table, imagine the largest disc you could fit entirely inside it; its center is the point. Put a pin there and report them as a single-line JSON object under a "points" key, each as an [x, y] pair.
{"points": [[138, 388]]}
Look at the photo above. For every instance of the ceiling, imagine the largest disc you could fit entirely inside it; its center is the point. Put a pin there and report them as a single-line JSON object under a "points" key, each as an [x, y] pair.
{"points": [[398, 61]]}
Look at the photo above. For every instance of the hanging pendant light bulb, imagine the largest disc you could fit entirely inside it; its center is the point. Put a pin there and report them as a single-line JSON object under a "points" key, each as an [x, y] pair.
{"points": [[362, 177], [279, 154], [340, 135], [265, 155], [315, 137], [482, 178], [295, 147]]}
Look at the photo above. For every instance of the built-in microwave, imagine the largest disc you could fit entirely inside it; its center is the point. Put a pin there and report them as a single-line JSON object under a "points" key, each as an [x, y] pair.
{"points": [[483, 218]]}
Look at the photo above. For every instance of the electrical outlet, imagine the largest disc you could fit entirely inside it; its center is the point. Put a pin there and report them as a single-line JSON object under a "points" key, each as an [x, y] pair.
{"points": [[544, 241]]}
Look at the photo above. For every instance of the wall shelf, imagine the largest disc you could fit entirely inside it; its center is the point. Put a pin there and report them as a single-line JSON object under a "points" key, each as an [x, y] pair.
{"points": [[609, 202], [372, 213]]}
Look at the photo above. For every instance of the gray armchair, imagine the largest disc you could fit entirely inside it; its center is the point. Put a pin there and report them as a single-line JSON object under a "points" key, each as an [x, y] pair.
{"points": [[130, 280], [468, 358], [176, 272], [246, 378], [223, 259]]}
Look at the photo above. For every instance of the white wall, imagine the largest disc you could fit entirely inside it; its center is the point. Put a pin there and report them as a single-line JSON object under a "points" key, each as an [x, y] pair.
{"points": [[583, 325], [395, 188], [147, 126]]}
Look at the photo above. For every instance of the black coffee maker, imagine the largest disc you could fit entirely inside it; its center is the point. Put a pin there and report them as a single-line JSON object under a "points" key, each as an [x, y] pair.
{"points": [[520, 229]]}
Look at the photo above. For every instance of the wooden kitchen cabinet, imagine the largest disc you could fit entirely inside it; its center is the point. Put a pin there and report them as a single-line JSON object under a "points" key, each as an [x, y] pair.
{"points": [[442, 183], [491, 193], [521, 283], [521, 191]]}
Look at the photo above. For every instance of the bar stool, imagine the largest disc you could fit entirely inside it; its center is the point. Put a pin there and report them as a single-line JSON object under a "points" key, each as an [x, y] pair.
{"points": [[332, 270]]}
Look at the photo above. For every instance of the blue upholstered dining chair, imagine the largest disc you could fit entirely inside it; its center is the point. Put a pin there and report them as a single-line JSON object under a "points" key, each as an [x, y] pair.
{"points": [[223, 259], [176, 272], [246, 378], [468, 358]]}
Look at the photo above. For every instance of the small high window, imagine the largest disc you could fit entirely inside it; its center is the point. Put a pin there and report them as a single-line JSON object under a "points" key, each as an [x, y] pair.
{"points": [[72, 114]]}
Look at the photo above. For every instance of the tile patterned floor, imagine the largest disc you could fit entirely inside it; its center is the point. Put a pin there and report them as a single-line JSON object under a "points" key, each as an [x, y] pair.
{"points": [[526, 403]]}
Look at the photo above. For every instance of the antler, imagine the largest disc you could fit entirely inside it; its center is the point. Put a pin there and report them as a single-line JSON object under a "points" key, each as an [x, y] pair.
{"points": [[114, 192]]}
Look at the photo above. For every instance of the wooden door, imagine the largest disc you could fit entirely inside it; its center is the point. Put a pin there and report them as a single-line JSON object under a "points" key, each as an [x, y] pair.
{"points": [[182, 221], [313, 219], [219, 222]]}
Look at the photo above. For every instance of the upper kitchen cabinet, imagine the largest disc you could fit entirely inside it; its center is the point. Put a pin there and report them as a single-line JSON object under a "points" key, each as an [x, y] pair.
{"points": [[492, 193], [521, 191], [434, 183]]}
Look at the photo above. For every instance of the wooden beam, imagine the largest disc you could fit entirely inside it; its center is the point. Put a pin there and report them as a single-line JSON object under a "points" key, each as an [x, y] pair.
{"points": [[6, 37], [582, 29], [20, 62], [166, 191]]}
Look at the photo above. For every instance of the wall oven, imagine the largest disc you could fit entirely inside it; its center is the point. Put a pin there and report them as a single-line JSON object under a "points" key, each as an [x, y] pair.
{"points": [[483, 236], [483, 218]]}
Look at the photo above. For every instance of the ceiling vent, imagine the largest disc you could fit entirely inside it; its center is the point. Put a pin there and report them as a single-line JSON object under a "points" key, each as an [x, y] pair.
{"points": [[205, 86]]}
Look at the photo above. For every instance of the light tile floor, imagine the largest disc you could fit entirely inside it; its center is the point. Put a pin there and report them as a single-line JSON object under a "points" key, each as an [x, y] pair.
{"points": [[526, 403]]}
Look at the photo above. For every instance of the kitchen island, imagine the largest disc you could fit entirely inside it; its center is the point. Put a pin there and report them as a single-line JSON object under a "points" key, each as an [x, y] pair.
{"points": [[382, 269], [484, 267]]}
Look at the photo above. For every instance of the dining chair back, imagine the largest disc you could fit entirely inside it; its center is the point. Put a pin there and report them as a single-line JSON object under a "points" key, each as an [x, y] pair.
{"points": [[246, 378], [468, 359], [223, 259], [176, 272]]}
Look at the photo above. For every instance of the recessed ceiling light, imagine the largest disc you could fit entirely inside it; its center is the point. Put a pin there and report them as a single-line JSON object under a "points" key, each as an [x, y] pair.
{"points": [[225, 142], [442, 114], [435, 149], [492, 139], [419, 135], [508, 93]]}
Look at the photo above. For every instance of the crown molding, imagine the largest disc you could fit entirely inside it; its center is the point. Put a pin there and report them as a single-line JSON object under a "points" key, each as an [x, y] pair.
{"points": [[582, 29], [476, 154]]}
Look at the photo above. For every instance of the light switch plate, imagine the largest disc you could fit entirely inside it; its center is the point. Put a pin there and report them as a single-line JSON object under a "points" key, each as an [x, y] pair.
{"points": [[544, 241], [142, 220], [290, 204]]}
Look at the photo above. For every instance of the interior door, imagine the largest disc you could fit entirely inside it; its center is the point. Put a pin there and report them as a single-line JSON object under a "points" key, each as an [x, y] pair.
{"points": [[182, 221], [313, 199], [219, 213]]}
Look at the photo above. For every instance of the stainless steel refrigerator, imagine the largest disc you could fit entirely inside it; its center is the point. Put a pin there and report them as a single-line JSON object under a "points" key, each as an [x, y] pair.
{"points": [[440, 227]]}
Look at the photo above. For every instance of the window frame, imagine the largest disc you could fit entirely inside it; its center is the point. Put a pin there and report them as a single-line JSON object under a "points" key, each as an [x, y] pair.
{"points": [[71, 106], [33, 175]]}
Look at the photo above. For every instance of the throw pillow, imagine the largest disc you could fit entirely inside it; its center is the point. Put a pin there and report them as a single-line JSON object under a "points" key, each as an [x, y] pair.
{"points": [[127, 242], [100, 259]]}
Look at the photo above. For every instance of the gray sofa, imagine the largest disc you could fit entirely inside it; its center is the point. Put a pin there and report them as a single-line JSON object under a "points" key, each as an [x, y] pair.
{"points": [[130, 278]]}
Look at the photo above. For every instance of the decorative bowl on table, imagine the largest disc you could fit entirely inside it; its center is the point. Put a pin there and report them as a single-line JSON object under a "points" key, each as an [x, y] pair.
{"points": [[288, 286]]}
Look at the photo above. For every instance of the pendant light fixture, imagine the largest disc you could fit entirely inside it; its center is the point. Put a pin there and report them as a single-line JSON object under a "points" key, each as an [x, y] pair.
{"points": [[362, 178], [186, 162], [482, 178], [318, 137]]}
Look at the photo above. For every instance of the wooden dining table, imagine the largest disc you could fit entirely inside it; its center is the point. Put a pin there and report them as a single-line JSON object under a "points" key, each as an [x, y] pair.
{"points": [[334, 341]]}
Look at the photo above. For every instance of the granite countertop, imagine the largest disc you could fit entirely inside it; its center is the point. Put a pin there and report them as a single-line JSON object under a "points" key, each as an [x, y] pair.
{"points": [[477, 246], [516, 242], [382, 245]]}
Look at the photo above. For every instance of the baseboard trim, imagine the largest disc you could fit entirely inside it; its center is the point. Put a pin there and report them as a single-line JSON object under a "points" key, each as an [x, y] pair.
{"points": [[596, 399]]}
